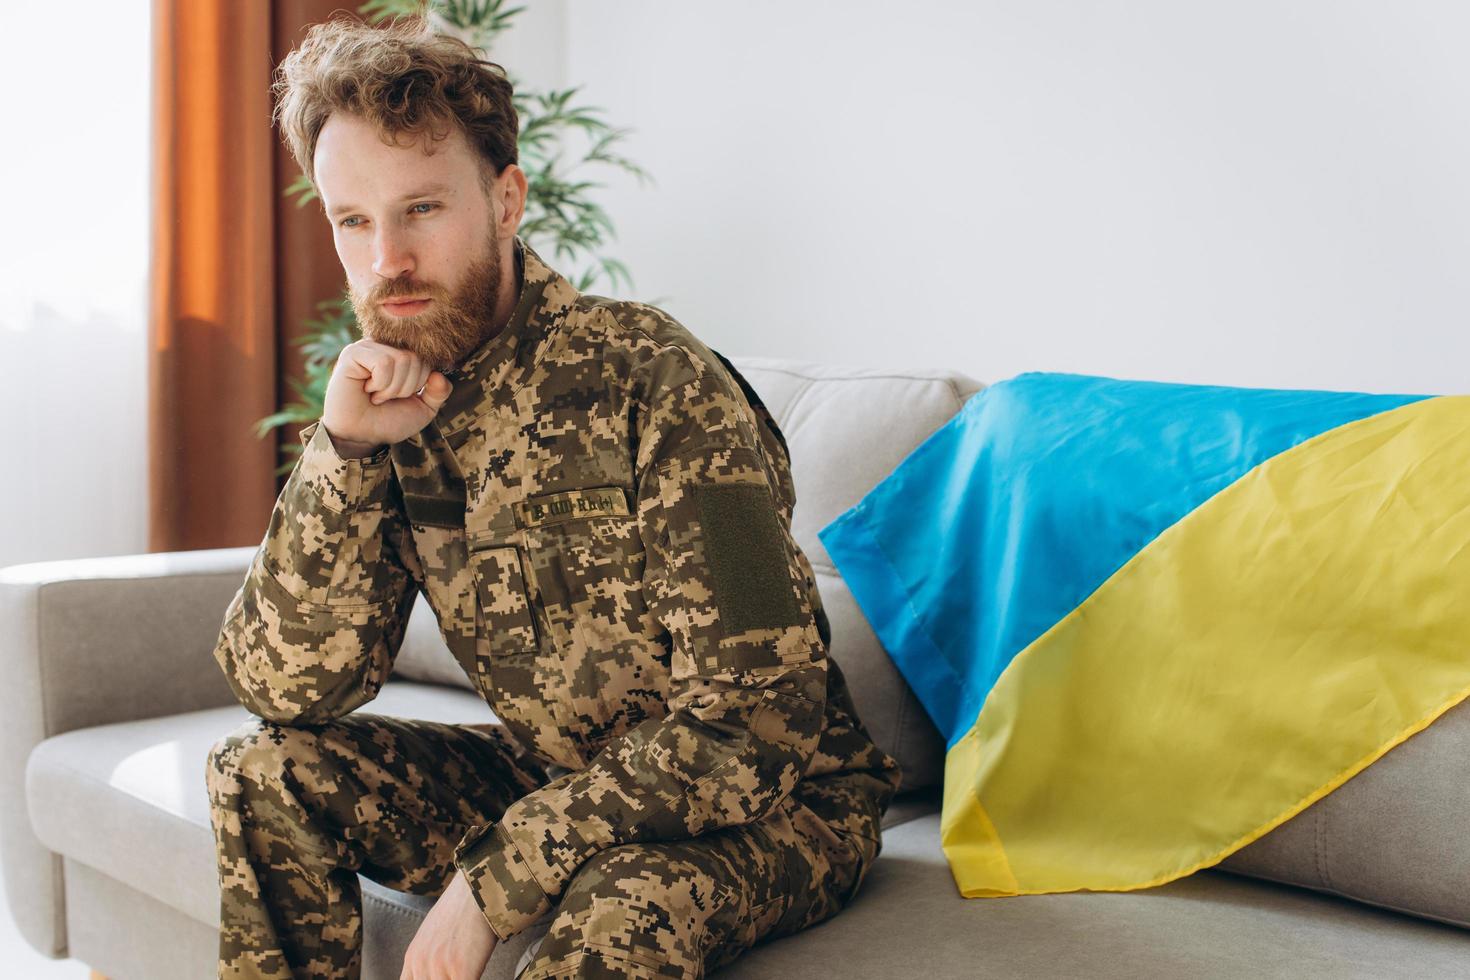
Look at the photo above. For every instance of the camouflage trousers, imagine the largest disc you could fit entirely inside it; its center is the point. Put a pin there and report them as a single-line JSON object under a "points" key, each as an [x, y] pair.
{"points": [[299, 811]]}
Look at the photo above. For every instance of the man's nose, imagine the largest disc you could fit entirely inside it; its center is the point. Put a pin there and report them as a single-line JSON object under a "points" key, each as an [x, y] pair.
{"points": [[391, 255]]}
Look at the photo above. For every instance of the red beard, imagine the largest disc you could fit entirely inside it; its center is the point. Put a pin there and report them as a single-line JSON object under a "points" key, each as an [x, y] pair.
{"points": [[450, 328]]}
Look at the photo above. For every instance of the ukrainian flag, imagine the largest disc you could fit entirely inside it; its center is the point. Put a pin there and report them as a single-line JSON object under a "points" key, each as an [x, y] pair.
{"points": [[1155, 621]]}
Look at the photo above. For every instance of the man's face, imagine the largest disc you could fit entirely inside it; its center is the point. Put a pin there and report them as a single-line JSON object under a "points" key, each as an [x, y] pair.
{"points": [[412, 226]]}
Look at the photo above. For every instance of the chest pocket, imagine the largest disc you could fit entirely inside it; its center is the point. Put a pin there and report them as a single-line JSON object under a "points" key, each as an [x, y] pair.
{"points": [[548, 522], [505, 602], [587, 558]]}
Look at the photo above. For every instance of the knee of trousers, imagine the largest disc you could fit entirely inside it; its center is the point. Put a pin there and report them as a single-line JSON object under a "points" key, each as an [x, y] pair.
{"points": [[258, 753], [638, 905]]}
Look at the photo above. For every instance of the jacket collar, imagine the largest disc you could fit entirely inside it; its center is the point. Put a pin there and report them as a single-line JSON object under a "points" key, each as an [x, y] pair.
{"points": [[494, 371]]}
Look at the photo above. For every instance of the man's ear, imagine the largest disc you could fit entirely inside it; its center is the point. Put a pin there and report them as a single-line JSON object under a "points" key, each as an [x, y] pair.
{"points": [[510, 196]]}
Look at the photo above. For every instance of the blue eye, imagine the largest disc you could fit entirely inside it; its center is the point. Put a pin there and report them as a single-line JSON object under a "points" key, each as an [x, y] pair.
{"points": [[421, 204]]}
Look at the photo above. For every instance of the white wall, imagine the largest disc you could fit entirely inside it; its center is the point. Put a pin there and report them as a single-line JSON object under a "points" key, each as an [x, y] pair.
{"points": [[533, 50], [73, 282], [1249, 193]]}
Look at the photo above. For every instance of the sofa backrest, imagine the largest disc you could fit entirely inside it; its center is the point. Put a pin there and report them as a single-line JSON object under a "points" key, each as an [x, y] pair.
{"points": [[846, 428]]}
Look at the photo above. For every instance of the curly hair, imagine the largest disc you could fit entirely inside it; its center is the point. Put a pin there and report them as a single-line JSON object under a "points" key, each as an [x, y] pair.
{"points": [[405, 79]]}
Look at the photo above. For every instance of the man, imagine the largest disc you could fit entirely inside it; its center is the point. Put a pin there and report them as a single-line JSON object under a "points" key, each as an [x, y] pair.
{"points": [[597, 508]]}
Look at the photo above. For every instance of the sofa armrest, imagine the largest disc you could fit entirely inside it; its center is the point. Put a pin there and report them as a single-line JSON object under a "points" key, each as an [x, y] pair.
{"points": [[92, 641]]}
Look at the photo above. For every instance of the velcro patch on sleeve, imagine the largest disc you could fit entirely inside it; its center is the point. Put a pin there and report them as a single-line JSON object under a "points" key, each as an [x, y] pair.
{"points": [[745, 549], [434, 511]]}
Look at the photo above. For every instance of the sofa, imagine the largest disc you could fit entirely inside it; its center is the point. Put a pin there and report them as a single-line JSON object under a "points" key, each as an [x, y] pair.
{"points": [[112, 702]]}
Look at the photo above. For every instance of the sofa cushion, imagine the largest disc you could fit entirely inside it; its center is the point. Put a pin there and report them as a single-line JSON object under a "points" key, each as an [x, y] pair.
{"points": [[424, 656], [129, 798], [1393, 835], [908, 920], [847, 428]]}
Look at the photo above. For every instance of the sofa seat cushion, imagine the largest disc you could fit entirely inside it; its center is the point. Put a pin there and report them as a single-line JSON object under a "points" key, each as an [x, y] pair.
{"points": [[129, 799], [1393, 835], [908, 920]]}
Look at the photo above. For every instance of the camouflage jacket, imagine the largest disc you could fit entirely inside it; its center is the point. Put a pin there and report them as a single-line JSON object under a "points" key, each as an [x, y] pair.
{"points": [[600, 519]]}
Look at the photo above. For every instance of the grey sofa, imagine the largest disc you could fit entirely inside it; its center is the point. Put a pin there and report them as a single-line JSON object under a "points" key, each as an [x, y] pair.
{"points": [[112, 701]]}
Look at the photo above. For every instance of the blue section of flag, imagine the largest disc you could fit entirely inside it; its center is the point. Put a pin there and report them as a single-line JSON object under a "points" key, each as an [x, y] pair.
{"points": [[1037, 491]]}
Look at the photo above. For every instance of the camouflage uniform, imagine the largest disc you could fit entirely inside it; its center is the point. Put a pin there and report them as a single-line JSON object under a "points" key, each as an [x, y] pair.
{"points": [[600, 519]]}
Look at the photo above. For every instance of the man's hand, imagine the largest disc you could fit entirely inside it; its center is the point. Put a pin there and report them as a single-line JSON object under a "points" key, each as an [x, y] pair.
{"points": [[454, 941], [379, 394]]}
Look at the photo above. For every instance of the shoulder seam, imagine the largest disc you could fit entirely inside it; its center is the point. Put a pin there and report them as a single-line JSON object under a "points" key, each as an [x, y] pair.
{"points": [[643, 330]]}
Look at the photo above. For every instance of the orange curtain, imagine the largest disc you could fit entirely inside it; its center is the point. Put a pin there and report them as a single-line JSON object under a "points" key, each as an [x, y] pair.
{"points": [[236, 268]]}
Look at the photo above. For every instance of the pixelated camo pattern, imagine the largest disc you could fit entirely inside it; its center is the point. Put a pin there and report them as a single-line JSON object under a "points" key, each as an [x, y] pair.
{"points": [[600, 519]]}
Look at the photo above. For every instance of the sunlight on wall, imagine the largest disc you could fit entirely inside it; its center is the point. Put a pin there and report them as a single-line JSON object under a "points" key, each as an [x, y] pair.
{"points": [[76, 242], [73, 280]]}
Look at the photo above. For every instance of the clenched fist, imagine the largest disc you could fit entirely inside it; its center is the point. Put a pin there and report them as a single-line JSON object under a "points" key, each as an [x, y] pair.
{"points": [[379, 394]]}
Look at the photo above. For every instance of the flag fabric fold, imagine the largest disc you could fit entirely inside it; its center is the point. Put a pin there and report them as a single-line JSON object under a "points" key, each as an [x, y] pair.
{"points": [[1153, 621]]}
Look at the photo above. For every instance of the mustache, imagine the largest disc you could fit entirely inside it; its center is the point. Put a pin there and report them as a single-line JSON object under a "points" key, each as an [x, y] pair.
{"points": [[395, 289]]}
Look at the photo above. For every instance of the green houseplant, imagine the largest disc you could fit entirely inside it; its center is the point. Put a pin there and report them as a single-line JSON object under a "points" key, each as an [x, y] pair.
{"points": [[560, 141]]}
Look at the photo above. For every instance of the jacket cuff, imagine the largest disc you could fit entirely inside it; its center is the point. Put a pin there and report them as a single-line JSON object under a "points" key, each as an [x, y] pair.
{"points": [[341, 484], [501, 880]]}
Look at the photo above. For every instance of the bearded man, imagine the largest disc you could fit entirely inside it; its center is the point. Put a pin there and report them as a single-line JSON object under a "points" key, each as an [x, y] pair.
{"points": [[597, 508]]}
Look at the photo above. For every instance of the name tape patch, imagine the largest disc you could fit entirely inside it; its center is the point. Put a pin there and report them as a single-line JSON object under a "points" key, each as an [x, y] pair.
{"points": [[567, 505]]}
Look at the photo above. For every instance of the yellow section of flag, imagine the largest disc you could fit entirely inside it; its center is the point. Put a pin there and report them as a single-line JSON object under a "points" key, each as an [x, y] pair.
{"points": [[1250, 659]]}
